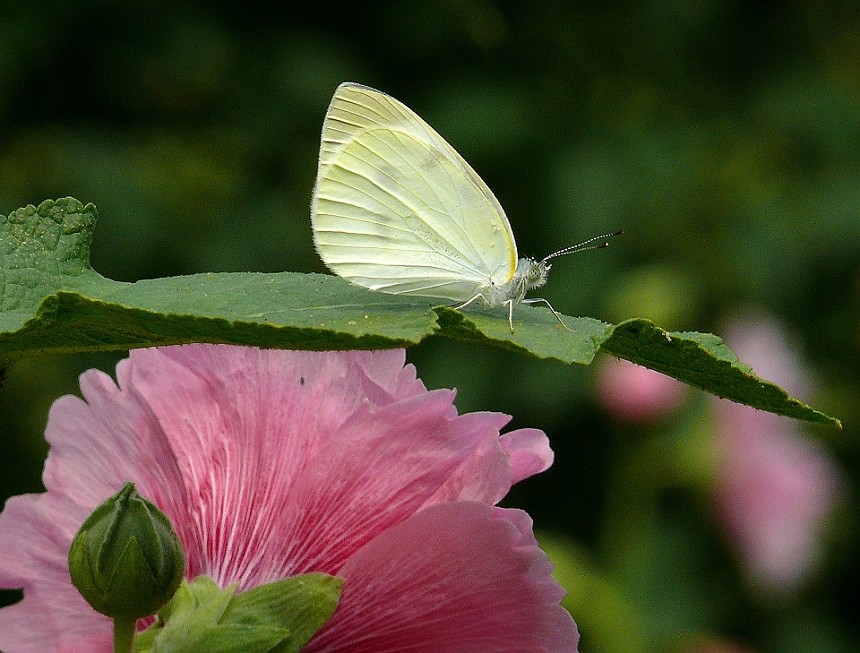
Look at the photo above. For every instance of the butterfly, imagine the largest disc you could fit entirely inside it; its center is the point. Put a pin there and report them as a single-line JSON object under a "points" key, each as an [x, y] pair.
{"points": [[396, 209]]}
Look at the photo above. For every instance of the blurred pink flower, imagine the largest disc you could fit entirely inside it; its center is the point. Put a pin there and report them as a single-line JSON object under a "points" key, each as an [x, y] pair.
{"points": [[774, 486], [637, 394], [276, 463]]}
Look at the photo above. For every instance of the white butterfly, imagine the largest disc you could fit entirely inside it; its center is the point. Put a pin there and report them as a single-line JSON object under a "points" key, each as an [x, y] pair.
{"points": [[395, 208]]}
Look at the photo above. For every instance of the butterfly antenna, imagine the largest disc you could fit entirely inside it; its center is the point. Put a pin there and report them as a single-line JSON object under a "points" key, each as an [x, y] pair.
{"points": [[584, 245]]}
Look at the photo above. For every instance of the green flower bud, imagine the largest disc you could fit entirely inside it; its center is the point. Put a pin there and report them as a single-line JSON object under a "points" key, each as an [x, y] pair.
{"points": [[126, 560]]}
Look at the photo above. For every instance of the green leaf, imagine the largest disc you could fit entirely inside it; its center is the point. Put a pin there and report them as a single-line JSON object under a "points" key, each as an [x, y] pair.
{"points": [[190, 619], [52, 301], [301, 605], [704, 361], [278, 617]]}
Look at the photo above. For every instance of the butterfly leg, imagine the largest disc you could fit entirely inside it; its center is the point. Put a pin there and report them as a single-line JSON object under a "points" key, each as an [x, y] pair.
{"points": [[511, 303], [536, 300], [470, 302]]}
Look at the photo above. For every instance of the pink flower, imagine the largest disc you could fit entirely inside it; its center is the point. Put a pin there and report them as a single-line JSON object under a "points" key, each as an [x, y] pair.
{"points": [[774, 486], [636, 394], [276, 463]]}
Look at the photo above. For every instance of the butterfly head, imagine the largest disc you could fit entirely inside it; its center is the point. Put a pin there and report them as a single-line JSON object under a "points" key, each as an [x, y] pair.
{"points": [[533, 273]]}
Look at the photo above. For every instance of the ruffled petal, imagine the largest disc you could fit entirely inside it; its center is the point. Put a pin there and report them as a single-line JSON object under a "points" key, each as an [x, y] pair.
{"points": [[529, 452]]}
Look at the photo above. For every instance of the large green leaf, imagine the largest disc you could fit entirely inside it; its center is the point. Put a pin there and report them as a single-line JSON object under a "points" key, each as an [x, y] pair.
{"points": [[51, 300]]}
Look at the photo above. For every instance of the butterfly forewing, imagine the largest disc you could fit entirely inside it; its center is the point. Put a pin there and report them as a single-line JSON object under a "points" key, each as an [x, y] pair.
{"points": [[395, 208]]}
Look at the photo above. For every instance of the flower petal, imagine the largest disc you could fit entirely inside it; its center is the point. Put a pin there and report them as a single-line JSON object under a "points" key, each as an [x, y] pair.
{"points": [[460, 577], [329, 469], [529, 451], [35, 535]]}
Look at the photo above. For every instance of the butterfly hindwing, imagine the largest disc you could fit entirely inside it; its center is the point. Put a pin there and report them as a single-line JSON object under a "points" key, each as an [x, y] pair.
{"points": [[396, 209]]}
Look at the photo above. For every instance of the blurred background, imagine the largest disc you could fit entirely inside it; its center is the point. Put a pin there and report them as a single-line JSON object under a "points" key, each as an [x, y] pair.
{"points": [[723, 137]]}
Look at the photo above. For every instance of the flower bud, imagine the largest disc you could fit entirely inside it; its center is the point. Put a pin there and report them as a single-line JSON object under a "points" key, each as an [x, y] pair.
{"points": [[126, 560]]}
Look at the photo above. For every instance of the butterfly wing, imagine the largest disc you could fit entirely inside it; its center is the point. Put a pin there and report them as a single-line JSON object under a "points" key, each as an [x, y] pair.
{"points": [[395, 208]]}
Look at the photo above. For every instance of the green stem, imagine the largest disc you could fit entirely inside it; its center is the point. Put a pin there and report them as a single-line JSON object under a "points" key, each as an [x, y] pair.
{"points": [[123, 635]]}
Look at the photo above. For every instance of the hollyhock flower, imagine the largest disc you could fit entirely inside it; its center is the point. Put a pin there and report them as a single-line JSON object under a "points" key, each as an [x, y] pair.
{"points": [[774, 486], [273, 463], [633, 393]]}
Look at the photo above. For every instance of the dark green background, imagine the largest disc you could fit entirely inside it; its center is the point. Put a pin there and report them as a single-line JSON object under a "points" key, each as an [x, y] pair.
{"points": [[723, 137]]}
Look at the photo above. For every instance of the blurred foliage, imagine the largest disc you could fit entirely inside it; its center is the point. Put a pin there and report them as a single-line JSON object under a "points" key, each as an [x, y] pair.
{"points": [[723, 137]]}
